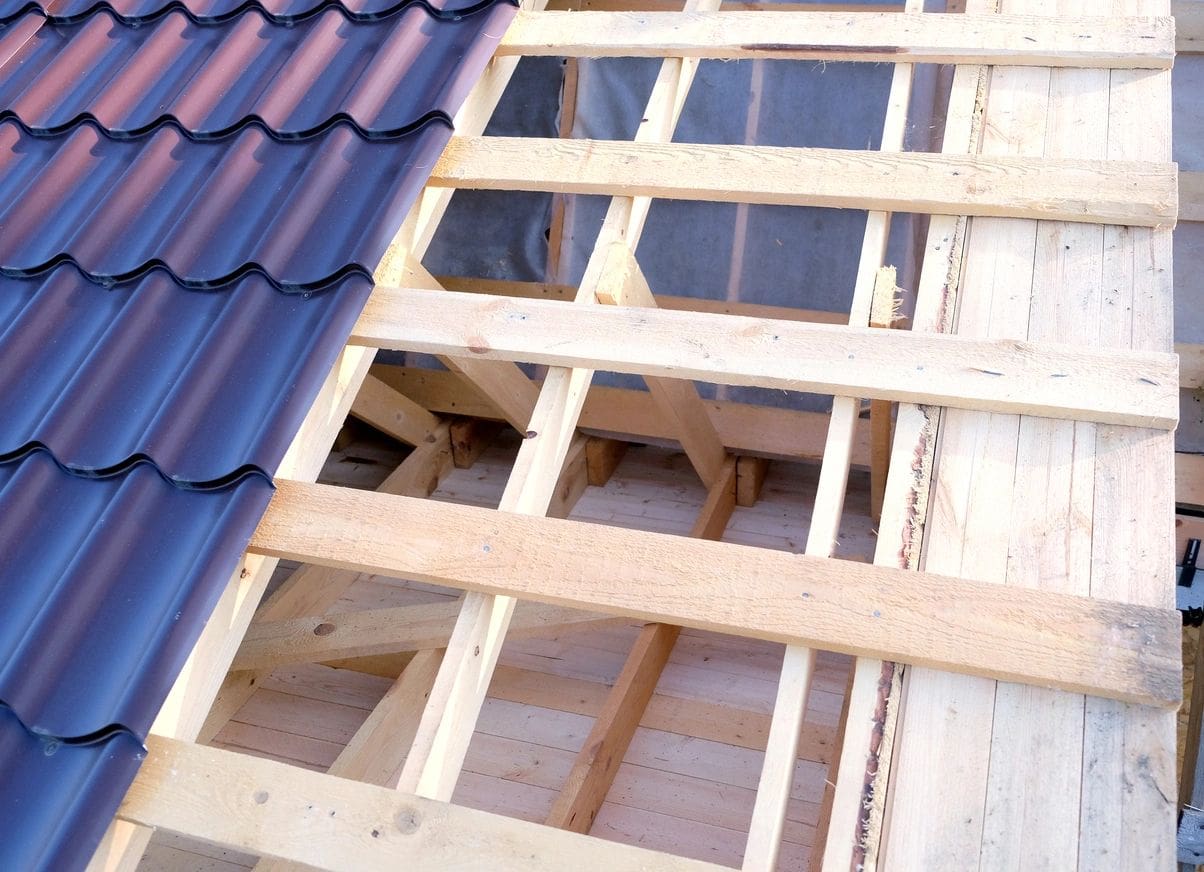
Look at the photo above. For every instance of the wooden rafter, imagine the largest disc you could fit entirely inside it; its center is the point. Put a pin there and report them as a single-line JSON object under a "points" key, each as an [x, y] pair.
{"points": [[1136, 193], [1110, 42]]}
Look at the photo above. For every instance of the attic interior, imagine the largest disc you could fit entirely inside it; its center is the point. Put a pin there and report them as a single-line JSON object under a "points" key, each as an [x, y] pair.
{"points": [[754, 448]]}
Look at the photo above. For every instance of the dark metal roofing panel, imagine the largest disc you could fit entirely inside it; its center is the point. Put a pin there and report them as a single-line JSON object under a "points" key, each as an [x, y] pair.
{"points": [[100, 375], [386, 75], [117, 576], [302, 211], [50, 793], [189, 217], [284, 11]]}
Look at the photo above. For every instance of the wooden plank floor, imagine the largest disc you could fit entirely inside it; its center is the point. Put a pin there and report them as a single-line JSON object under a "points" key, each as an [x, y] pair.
{"points": [[687, 784]]}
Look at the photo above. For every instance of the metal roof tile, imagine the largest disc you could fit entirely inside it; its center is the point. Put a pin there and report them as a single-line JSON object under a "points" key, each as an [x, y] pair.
{"points": [[157, 328], [285, 11], [100, 376], [387, 75], [118, 576], [50, 792], [304, 212]]}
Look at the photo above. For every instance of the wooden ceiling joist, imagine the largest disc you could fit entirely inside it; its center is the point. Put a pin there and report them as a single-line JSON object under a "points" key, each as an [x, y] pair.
{"points": [[1110, 42], [1135, 193]]}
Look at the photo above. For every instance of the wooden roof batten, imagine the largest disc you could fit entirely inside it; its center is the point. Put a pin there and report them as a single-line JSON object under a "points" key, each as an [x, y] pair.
{"points": [[1116, 392]]}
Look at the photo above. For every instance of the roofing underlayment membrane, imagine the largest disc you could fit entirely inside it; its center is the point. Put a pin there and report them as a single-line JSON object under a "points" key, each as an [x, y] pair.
{"points": [[193, 197]]}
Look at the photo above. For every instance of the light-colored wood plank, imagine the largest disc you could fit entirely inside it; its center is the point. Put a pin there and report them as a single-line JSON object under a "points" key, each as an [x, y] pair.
{"points": [[677, 398], [594, 769], [1109, 649], [434, 762], [393, 413], [1189, 479], [864, 759], [743, 427], [1138, 193], [1129, 387], [597, 764], [1015, 40], [306, 817]]}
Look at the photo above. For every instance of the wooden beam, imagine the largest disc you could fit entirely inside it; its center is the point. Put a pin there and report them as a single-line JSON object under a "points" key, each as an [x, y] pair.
{"points": [[750, 477], [1123, 387], [1133, 193], [596, 765], [469, 439], [602, 458], [1014, 40], [320, 638], [393, 413], [265, 807], [1038, 637], [633, 415], [506, 386], [864, 757], [677, 398]]}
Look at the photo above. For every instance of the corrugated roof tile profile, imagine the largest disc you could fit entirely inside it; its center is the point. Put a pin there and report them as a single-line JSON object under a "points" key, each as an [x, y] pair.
{"points": [[193, 197]]}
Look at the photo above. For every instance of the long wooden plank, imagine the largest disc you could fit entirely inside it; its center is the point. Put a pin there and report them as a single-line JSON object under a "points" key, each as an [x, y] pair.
{"points": [[745, 428], [1138, 193], [319, 638], [265, 807], [1096, 647], [393, 413], [1016, 40], [1138, 388]]}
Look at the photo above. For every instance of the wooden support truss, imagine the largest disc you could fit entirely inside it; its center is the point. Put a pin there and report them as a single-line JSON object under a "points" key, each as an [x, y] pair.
{"points": [[1018, 642]]}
